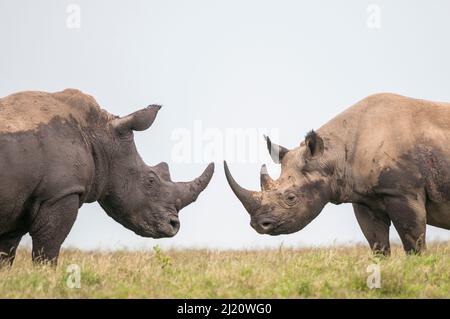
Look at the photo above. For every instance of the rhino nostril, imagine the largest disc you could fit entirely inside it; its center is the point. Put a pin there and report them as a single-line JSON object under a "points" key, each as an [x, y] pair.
{"points": [[174, 223], [263, 226], [266, 225]]}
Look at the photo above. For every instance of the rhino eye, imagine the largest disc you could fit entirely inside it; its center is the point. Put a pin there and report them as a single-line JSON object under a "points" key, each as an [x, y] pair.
{"points": [[151, 181], [290, 198]]}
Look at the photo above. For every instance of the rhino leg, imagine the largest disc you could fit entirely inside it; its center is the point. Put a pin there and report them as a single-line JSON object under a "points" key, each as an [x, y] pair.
{"points": [[51, 226], [409, 219], [375, 228], [8, 246]]}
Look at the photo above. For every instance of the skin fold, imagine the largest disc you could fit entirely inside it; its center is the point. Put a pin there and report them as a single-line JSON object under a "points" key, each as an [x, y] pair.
{"points": [[388, 155], [61, 150]]}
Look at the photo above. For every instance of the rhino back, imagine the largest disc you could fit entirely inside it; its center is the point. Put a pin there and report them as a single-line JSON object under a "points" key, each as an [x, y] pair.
{"points": [[44, 150], [396, 144], [27, 110]]}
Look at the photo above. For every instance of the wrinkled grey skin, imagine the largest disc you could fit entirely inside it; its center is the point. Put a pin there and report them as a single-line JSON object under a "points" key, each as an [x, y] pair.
{"points": [[60, 150], [388, 155]]}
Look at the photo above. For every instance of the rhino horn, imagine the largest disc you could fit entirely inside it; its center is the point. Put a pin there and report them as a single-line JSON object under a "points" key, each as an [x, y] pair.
{"points": [[250, 199], [189, 191], [267, 183]]}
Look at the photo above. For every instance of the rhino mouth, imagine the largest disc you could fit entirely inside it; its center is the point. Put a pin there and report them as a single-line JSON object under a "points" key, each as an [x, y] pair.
{"points": [[273, 227], [160, 225], [171, 227], [265, 225], [163, 227]]}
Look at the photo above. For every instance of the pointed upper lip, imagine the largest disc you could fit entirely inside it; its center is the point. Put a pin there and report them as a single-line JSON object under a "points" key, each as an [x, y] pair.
{"points": [[171, 224], [258, 225]]}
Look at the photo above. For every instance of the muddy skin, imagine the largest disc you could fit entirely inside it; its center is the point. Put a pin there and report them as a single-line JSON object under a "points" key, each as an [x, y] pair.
{"points": [[392, 172], [61, 150]]}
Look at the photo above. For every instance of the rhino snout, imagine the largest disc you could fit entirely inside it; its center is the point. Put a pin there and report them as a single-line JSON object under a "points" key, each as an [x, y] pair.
{"points": [[174, 222], [263, 225], [168, 226]]}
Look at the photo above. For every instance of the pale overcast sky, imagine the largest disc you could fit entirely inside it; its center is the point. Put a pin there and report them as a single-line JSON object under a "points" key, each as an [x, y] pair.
{"points": [[278, 67]]}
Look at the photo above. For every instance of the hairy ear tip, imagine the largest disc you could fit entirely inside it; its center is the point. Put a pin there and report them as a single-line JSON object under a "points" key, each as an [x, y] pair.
{"points": [[155, 106], [314, 142], [311, 134]]}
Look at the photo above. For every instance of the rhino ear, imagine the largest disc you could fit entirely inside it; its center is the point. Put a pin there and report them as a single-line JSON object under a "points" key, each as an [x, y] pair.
{"points": [[163, 170], [277, 152], [137, 121], [314, 143]]}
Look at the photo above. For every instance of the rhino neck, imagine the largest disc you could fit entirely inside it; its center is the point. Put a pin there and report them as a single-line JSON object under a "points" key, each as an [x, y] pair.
{"points": [[119, 173], [101, 152], [340, 142], [341, 180]]}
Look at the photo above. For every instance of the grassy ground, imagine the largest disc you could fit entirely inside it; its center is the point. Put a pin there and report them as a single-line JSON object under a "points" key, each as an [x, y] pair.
{"points": [[336, 272]]}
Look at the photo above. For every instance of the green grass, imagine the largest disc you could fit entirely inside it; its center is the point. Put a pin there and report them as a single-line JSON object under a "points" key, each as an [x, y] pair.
{"points": [[334, 272]]}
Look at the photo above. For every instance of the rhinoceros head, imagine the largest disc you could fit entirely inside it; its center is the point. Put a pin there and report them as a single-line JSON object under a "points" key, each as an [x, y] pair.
{"points": [[143, 198], [289, 203]]}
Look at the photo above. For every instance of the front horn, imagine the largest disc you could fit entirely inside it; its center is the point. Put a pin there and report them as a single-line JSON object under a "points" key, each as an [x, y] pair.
{"points": [[189, 191], [250, 199]]}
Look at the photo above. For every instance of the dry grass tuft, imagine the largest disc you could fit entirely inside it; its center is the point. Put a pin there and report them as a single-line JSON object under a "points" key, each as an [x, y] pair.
{"points": [[335, 272]]}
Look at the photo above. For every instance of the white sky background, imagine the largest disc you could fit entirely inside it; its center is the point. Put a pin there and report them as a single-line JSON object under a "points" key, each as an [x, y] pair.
{"points": [[286, 65]]}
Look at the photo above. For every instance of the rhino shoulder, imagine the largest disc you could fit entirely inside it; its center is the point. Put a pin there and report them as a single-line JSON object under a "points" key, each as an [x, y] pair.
{"points": [[382, 100]]}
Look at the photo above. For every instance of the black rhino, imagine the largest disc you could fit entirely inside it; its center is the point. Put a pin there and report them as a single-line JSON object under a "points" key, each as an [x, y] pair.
{"points": [[388, 155]]}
